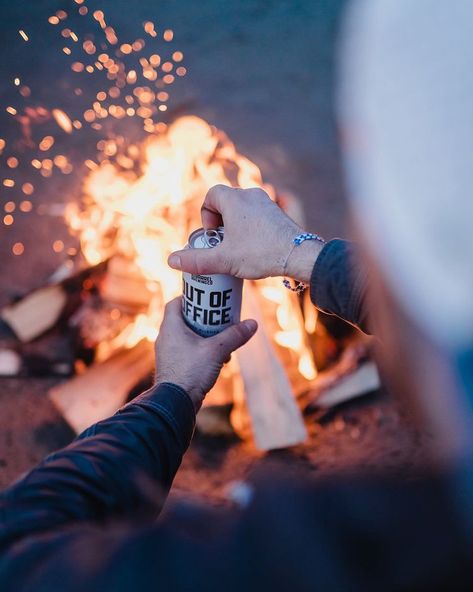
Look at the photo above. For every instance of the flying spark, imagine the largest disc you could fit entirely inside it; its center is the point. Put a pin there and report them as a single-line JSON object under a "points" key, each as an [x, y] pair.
{"points": [[131, 75]]}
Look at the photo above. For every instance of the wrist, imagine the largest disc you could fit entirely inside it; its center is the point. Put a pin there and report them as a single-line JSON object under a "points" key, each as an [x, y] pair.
{"points": [[281, 250], [195, 395], [301, 260]]}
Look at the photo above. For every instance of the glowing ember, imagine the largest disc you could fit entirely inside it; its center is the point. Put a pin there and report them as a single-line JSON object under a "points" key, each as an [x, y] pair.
{"points": [[63, 120], [18, 249], [26, 206], [124, 90]]}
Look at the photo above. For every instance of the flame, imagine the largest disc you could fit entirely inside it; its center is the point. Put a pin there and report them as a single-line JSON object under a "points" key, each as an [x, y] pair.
{"points": [[142, 201]]}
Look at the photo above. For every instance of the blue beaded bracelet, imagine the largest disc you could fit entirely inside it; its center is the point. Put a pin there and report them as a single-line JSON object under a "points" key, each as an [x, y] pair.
{"points": [[299, 287]]}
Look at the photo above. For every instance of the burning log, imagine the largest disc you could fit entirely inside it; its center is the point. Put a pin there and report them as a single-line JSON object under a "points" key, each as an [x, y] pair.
{"points": [[275, 417], [125, 285], [102, 389]]}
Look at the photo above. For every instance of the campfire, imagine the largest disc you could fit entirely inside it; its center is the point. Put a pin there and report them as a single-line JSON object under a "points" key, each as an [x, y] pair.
{"points": [[136, 210], [140, 201], [142, 206]]}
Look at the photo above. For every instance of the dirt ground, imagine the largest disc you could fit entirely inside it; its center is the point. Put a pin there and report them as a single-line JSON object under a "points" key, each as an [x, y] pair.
{"points": [[263, 71]]}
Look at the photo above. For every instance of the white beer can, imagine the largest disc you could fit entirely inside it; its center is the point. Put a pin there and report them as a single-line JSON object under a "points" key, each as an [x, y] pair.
{"points": [[210, 303]]}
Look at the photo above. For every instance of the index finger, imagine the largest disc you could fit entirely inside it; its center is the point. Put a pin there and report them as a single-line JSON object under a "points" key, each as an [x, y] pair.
{"points": [[212, 211], [173, 313]]}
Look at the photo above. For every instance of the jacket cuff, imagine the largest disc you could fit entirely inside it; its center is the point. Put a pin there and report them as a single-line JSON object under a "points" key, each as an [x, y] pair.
{"points": [[338, 283], [174, 404], [320, 280]]}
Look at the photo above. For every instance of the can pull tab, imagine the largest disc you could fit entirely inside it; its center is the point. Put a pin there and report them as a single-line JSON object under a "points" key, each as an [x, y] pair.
{"points": [[212, 238]]}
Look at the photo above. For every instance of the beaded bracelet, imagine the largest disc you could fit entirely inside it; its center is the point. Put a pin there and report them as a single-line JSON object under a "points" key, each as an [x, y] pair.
{"points": [[299, 287]]}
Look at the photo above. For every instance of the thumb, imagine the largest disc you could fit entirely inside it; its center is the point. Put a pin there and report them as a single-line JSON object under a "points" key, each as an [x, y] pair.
{"points": [[232, 338], [200, 261]]}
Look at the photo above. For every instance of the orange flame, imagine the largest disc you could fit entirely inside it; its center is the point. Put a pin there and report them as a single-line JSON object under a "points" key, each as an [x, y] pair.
{"points": [[142, 202]]}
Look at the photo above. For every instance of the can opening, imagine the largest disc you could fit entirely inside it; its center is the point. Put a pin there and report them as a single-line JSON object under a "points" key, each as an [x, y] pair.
{"points": [[212, 238]]}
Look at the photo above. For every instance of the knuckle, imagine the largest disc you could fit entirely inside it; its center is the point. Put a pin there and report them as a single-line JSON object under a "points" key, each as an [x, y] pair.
{"points": [[219, 190]]}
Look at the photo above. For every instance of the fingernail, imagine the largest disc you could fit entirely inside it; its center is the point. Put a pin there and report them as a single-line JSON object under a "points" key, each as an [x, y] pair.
{"points": [[174, 261]]}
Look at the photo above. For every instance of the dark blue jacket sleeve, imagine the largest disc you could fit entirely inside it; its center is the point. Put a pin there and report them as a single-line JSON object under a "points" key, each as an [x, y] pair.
{"points": [[339, 283], [119, 468]]}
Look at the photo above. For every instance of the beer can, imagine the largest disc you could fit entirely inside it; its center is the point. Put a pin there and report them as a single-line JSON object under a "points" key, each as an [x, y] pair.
{"points": [[210, 303]]}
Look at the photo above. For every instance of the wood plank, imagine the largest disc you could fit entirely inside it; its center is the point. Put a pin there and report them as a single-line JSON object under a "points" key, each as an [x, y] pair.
{"points": [[35, 313], [361, 381], [125, 285], [276, 419], [41, 308], [103, 388]]}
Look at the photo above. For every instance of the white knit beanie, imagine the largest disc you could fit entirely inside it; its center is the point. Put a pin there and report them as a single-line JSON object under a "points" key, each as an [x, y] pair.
{"points": [[405, 108]]}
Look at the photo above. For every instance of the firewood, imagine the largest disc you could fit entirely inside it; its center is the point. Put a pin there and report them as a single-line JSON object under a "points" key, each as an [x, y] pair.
{"points": [[287, 356], [36, 313], [333, 388], [275, 417], [103, 388], [39, 310], [125, 285]]}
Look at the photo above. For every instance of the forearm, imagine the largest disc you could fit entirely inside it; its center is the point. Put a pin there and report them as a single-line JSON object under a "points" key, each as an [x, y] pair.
{"points": [[338, 283], [102, 473]]}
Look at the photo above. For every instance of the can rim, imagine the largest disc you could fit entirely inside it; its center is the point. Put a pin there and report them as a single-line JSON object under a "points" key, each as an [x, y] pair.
{"points": [[210, 238]]}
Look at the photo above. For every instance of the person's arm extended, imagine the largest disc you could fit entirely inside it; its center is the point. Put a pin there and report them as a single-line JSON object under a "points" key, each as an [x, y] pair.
{"points": [[121, 468], [107, 472]]}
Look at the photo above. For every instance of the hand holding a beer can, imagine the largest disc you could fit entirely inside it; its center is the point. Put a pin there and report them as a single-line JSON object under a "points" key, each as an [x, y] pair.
{"points": [[191, 361], [257, 240]]}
